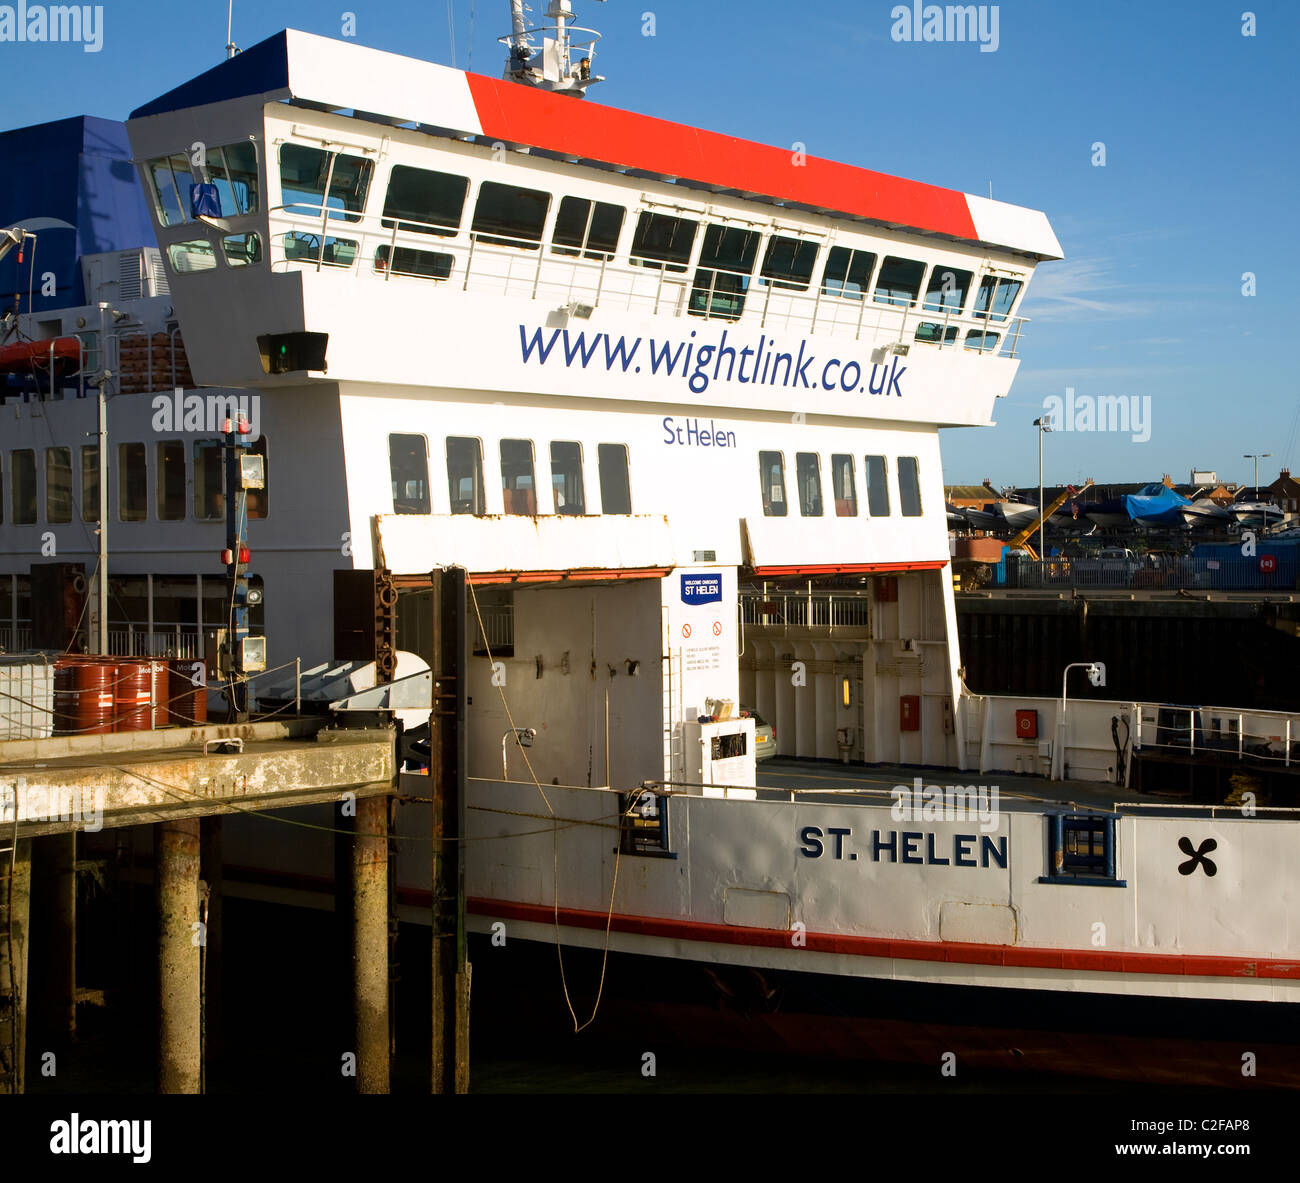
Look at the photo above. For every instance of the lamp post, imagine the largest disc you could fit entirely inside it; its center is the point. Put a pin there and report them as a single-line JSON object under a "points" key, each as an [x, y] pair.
{"points": [[1256, 457], [1097, 676], [1044, 424]]}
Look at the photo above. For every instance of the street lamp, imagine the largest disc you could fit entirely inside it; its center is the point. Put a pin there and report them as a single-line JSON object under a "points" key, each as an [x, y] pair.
{"points": [[1256, 457], [1043, 424]]}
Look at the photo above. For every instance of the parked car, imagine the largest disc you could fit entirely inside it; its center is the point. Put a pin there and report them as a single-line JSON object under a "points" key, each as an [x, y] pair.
{"points": [[764, 735]]}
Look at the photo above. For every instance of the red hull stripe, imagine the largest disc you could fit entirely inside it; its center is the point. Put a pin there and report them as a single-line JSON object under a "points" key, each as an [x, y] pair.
{"points": [[517, 114], [850, 568], [953, 953]]}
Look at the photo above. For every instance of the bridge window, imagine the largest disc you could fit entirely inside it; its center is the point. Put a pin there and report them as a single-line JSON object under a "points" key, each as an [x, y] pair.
{"points": [[90, 482], [171, 480], [722, 278], [984, 342], [909, 487], [845, 487], [58, 484], [899, 281], [22, 478], [932, 333], [518, 491], [506, 215], [465, 474], [242, 249], [592, 227], [947, 290], [171, 188], [808, 473], [195, 255], [877, 487], [423, 201], [789, 262], [996, 297], [209, 481], [615, 492], [312, 180], [132, 483], [233, 169], [566, 477], [408, 466], [304, 246], [409, 261], [771, 475], [663, 241], [848, 272]]}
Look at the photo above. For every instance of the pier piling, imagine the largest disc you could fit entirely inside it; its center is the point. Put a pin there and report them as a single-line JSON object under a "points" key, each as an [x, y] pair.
{"points": [[179, 1019], [53, 973], [369, 916], [15, 912]]}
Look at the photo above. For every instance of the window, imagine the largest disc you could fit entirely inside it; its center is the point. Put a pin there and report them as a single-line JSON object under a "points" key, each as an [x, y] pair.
{"points": [[848, 272], [58, 484], [899, 281], [999, 293], [22, 476], [1081, 849], [947, 290], [132, 483], [722, 278], [932, 333], [408, 261], [170, 475], [90, 482], [789, 262], [305, 246], [242, 249], [408, 465], [808, 473], [518, 492], [195, 255], [209, 481], [423, 201], [615, 493], [233, 169], [312, 180], [663, 241], [771, 475], [845, 488], [258, 502], [465, 474], [909, 487], [509, 216], [566, 477], [592, 227], [171, 188], [877, 487], [984, 342]]}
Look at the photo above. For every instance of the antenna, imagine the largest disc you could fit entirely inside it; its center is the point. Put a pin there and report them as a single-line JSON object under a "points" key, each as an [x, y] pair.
{"points": [[551, 67], [231, 47]]}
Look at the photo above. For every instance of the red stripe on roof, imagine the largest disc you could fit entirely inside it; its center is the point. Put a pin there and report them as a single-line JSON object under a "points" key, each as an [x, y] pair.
{"points": [[518, 114]]}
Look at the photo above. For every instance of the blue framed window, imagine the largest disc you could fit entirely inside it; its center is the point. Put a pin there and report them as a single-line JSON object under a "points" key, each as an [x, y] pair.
{"points": [[1081, 849]]}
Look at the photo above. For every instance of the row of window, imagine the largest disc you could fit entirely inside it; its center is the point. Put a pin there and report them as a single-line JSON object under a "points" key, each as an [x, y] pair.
{"points": [[171, 479], [408, 460], [844, 486], [429, 202]]}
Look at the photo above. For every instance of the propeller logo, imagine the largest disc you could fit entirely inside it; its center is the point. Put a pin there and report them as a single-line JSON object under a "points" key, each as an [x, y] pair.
{"points": [[1199, 857]]}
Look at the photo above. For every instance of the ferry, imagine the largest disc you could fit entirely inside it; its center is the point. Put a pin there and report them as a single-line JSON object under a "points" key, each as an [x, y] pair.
{"points": [[672, 400]]}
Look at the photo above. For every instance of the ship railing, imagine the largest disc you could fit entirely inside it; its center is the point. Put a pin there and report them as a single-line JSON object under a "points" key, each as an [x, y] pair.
{"points": [[1209, 732], [569, 277], [804, 611], [164, 640], [15, 639]]}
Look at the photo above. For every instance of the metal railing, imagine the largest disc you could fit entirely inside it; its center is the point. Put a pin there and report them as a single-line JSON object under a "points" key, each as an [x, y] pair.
{"points": [[15, 640], [565, 276], [797, 610], [498, 631], [1168, 574], [131, 640]]}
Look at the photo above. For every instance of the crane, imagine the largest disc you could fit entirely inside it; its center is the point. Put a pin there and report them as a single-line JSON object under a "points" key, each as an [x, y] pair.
{"points": [[1021, 540]]}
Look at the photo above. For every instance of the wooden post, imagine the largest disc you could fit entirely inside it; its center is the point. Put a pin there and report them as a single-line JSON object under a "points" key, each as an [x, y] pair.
{"points": [[15, 911], [450, 980], [370, 943], [179, 1021]]}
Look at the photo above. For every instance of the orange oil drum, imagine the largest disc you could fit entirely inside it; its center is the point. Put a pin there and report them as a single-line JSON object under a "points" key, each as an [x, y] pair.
{"points": [[133, 698], [83, 696], [187, 703]]}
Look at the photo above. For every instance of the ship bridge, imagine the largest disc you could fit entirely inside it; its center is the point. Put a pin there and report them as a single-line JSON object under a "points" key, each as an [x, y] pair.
{"points": [[330, 213]]}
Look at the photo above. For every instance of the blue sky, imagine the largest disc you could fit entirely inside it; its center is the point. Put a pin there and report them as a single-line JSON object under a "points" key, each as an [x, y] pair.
{"points": [[1199, 187]]}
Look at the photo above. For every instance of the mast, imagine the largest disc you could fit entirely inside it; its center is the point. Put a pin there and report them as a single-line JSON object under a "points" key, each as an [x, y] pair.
{"points": [[552, 67]]}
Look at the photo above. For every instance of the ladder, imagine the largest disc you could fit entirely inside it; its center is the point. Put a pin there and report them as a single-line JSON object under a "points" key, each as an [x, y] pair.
{"points": [[10, 997]]}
